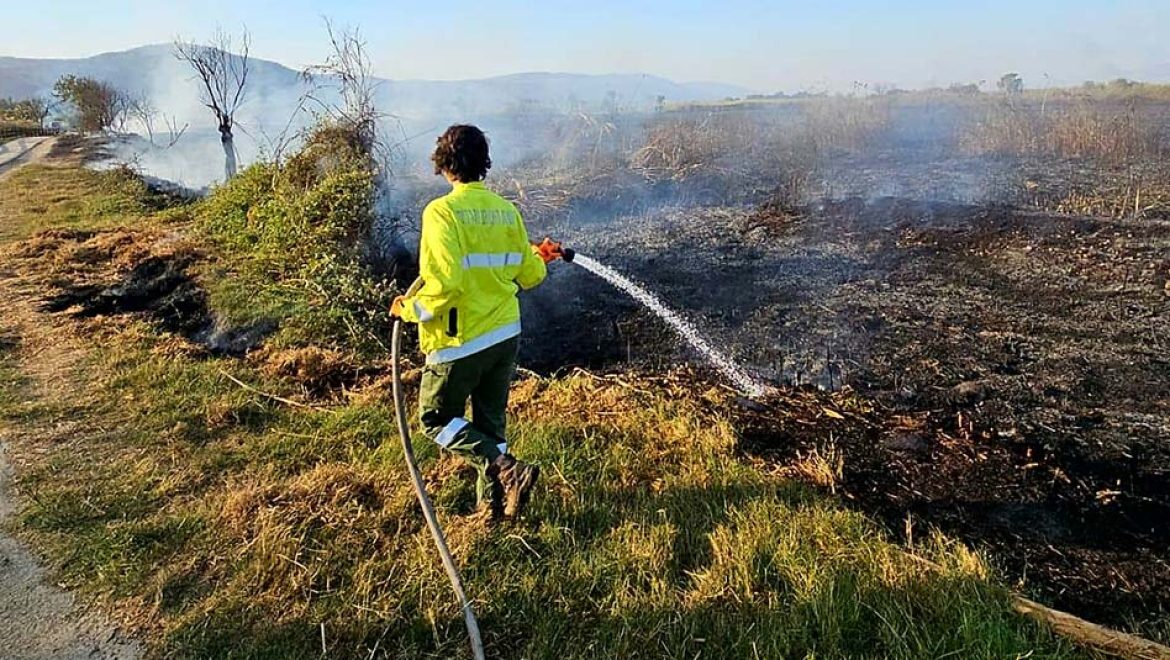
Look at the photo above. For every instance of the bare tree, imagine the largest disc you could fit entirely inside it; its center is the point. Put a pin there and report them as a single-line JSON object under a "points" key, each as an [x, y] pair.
{"points": [[123, 111], [174, 131], [344, 89], [143, 111], [279, 143], [223, 75], [39, 108]]}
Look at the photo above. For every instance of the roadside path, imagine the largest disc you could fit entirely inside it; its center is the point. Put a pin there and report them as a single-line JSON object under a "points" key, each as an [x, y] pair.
{"points": [[38, 619], [22, 151]]}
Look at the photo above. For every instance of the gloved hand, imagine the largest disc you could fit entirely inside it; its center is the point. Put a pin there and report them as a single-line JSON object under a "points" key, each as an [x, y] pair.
{"points": [[396, 306], [549, 250]]}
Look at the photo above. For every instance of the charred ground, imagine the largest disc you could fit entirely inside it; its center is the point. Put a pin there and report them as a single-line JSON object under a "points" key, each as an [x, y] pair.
{"points": [[1017, 360], [1011, 361], [1005, 366]]}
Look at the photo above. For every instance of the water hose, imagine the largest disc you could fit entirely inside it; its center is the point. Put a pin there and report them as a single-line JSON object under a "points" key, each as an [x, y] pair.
{"points": [[416, 479], [425, 502]]}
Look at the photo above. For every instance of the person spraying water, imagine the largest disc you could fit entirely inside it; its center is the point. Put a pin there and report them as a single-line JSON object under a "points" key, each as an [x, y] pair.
{"points": [[474, 257]]}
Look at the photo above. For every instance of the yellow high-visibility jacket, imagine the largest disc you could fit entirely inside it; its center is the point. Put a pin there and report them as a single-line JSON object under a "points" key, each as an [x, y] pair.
{"points": [[473, 257]]}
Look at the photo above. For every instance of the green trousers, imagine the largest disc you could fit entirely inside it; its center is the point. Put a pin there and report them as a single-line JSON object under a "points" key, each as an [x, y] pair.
{"points": [[485, 378]]}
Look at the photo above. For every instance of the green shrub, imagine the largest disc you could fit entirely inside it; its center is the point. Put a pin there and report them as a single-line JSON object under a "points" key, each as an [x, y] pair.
{"points": [[291, 245]]}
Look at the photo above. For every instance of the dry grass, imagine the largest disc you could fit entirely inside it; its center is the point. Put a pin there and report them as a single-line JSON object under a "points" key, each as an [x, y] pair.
{"points": [[649, 535], [679, 148], [694, 156], [822, 466], [220, 522], [314, 369], [1110, 135], [1089, 155], [1140, 191], [846, 122]]}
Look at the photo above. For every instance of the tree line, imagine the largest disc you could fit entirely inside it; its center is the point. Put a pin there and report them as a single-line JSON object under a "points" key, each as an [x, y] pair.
{"points": [[33, 111]]}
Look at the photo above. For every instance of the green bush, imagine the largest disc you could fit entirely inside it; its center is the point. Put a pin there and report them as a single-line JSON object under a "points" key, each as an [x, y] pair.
{"points": [[290, 241]]}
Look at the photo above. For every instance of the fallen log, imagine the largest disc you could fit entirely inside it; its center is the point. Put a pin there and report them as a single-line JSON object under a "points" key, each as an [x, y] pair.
{"points": [[1085, 633]]}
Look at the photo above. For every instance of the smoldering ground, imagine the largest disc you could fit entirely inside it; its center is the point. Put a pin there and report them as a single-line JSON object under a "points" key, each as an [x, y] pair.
{"points": [[1025, 345], [867, 249]]}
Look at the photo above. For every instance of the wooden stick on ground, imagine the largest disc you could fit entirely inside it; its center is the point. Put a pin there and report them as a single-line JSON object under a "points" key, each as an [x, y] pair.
{"points": [[1113, 642], [274, 397], [1086, 633]]}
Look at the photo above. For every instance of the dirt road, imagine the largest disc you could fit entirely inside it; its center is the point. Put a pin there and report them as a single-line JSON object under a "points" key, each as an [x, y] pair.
{"points": [[14, 154], [37, 618]]}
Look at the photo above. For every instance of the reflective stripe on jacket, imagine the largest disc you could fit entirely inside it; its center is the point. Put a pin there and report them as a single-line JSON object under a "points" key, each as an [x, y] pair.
{"points": [[474, 256]]}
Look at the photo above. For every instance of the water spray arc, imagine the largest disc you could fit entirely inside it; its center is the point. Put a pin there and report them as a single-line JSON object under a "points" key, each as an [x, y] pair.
{"points": [[742, 380]]}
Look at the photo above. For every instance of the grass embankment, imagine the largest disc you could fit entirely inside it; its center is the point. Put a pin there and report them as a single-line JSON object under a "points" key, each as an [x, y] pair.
{"points": [[37, 198], [221, 523]]}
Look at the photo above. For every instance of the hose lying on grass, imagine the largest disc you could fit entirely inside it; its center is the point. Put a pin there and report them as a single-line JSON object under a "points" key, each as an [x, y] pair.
{"points": [[424, 501]]}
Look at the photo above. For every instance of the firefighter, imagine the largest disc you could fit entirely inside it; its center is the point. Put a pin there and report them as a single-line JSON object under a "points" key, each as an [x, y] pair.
{"points": [[474, 256]]}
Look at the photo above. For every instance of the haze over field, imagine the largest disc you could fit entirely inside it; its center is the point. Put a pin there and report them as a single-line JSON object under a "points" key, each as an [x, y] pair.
{"points": [[414, 107], [766, 46], [478, 63], [154, 69]]}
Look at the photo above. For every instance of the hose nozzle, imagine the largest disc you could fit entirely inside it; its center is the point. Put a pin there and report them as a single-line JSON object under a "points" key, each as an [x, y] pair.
{"points": [[551, 250]]}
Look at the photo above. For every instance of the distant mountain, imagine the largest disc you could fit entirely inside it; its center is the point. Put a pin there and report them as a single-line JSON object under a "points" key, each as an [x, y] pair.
{"points": [[153, 70], [504, 106]]}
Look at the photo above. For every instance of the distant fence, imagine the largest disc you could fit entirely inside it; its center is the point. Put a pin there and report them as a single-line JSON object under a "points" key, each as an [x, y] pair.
{"points": [[11, 132]]}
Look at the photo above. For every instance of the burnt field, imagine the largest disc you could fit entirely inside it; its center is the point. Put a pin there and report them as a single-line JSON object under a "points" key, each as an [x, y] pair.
{"points": [[1006, 364]]}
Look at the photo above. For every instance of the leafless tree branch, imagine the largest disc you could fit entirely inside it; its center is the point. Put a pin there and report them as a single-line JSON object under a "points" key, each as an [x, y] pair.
{"points": [[222, 69], [348, 74]]}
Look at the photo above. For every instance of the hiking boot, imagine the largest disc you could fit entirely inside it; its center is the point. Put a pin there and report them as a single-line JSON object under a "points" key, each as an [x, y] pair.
{"points": [[492, 506], [491, 513], [517, 479]]}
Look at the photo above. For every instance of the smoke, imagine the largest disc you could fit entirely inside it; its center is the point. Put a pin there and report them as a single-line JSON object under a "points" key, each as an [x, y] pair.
{"points": [[571, 149], [519, 112], [670, 197], [196, 159]]}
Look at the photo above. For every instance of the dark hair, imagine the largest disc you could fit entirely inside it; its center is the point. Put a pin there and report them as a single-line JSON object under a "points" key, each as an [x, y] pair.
{"points": [[462, 152]]}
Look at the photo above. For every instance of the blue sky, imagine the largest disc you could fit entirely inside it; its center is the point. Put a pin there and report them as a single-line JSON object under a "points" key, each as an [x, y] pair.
{"points": [[763, 45]]}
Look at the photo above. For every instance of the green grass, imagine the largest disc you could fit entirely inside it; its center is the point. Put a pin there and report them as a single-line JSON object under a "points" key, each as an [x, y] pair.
{"points": [[39, 197], [651, 538], [225, 524], [286, 242]]}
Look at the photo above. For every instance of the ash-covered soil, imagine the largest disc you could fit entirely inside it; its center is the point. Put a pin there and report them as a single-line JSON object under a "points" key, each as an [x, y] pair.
{"points": [[121, 271], [1017, 361]]}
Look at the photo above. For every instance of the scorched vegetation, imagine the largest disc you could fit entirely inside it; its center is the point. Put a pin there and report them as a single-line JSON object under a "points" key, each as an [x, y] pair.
{"points": [[197, 406]]}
